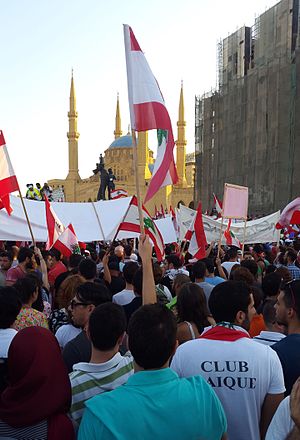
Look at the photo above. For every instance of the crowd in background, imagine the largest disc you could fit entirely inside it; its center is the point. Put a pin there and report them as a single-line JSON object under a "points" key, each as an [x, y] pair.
{"points": [[113, 344]]}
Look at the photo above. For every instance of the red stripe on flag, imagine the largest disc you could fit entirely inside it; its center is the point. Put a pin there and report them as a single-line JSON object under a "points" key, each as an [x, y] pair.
{"points": [[8, 185], [2, 140], [133, 42], [62, 248], [151, 115]]}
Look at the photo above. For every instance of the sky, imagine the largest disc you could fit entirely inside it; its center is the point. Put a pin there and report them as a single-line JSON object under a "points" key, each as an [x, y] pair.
{"points": [[42, 40]]}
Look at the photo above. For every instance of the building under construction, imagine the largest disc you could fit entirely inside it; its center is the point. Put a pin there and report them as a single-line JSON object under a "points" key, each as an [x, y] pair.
{"points": [[248, 130]]}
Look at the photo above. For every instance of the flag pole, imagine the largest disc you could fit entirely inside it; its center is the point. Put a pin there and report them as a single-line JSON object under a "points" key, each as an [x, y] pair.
{"points": [[123, 218], [26, 215], [98, 220], [137, 183], [220, 238]]}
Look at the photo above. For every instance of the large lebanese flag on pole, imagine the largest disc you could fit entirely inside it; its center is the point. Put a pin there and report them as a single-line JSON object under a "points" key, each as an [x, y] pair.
{"points": [[148, 112], [8, 180], [196, 236], [290, 215], [131, 223], [54, 225]]}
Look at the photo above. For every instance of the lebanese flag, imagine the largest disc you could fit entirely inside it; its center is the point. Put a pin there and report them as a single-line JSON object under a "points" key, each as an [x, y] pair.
{"points": [[54, 225], [131, 223], [67, 242], [218, 205], [148, 112], [8, 180], [118, 194], [196, 236], [290, 215], [231, 239]]}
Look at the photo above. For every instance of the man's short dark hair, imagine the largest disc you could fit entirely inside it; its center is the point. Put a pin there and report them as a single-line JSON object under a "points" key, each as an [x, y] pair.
{"points": [[107, 323], [10, 306], [269, 312], [292, 296], [93, 293], [137, 282], [291, 254], [232, 252], [152, 335], [25, 288], [209, 263], [87, 268], [6, 254], [55, 253], [199, 269], [271, 284], [175, 260], [129, 271], [250, 265], [128, 250], [227, 299], [75, 259], [24, 253]]}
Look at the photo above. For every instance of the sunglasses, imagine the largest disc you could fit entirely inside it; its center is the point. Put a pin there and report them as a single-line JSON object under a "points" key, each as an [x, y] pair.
{"points": [[75, 303]]}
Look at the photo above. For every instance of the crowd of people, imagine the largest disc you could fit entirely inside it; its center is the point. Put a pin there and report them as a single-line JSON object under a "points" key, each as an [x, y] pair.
{"points": [[113, 344]]}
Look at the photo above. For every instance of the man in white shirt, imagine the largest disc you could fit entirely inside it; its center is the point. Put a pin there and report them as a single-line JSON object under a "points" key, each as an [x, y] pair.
{"points": [[126, 295], [246, 376], [10, 306], [233, 260]]}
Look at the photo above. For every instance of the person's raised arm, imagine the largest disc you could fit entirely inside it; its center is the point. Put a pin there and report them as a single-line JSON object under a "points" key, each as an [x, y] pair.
{"points": [[220, 269], [106, 272], [145, 252]]}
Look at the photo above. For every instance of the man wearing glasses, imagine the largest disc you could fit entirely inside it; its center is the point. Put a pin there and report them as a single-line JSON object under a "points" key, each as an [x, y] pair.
{"points": [[288, 349]]}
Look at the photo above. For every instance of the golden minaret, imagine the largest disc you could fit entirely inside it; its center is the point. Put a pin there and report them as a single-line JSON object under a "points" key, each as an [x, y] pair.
{"points": [[181, 141], [118, 131], [73, 135]]}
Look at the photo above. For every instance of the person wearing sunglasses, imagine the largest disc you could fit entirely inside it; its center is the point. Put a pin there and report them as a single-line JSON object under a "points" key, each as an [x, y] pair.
{"points": [[288, 349], [88, 296]]}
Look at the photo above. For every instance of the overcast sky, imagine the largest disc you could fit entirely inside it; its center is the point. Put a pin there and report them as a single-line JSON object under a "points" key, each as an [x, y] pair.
{"points": [[42, 40]]}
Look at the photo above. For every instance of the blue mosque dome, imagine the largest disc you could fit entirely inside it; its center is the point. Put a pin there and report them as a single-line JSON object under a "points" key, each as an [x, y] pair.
{"points": [[122, 142]]}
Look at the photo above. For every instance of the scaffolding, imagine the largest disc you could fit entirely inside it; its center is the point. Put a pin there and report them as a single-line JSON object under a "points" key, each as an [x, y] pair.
{"points": [[248, 130]]}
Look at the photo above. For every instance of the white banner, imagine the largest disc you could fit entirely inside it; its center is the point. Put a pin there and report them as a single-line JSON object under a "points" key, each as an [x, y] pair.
{"points": [[91, 221], [261, 230]]}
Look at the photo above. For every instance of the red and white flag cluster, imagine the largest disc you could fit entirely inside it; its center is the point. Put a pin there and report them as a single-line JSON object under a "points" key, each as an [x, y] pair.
{"points": [[8, 180], [148, 112], [118, 194]]}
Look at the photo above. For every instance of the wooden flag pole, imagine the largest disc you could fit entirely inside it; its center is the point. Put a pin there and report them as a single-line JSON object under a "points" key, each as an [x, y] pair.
{"points": [[117, 231], [27, 218], [137, 183], [220, 238]]}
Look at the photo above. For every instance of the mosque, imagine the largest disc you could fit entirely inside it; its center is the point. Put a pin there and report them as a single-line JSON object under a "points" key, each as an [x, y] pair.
{"points": [[119, 157]]}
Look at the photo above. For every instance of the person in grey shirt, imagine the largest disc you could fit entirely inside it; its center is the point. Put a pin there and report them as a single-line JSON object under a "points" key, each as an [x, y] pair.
{"points": [[199, 270]]}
